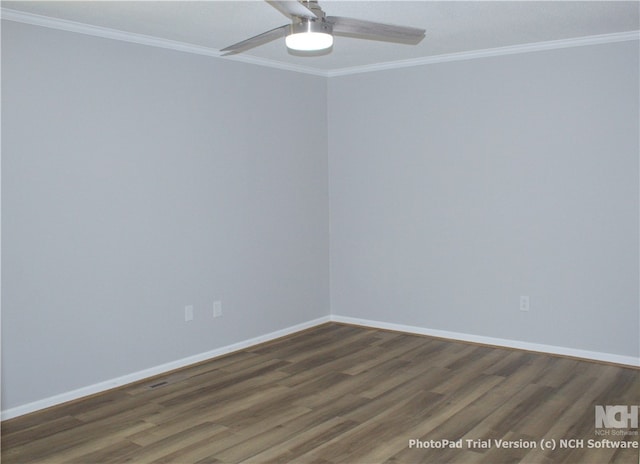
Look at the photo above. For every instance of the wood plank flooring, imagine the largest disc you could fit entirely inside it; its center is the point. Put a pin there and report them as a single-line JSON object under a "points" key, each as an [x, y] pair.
{"points": [[344, 394]]}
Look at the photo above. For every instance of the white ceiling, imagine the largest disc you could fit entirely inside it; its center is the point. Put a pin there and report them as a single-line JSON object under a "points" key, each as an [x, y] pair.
{"points": [[452, 26]]}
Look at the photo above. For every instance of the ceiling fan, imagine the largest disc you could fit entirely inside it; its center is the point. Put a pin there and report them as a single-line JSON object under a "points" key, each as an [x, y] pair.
{"points": [[311, 30]]}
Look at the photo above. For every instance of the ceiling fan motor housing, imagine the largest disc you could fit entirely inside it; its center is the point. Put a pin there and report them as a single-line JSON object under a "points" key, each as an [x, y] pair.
{"points": [[306, 25]]}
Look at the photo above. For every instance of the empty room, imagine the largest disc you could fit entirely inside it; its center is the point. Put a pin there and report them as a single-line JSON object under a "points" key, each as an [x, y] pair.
{"points": [[333, 232]]}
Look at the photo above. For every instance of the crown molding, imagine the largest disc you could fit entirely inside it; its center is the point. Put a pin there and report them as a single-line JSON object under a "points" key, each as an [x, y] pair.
{"points": [[277, 64], [491, 52], [104, 32], [114, 34]]}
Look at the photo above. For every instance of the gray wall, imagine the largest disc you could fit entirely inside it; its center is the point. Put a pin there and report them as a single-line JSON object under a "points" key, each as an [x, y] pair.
{"points": [[136, 180], [458, 187]]}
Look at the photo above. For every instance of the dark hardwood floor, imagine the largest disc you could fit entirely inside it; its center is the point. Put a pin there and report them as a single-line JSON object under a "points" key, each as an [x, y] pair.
{"points": [[344, 394]]}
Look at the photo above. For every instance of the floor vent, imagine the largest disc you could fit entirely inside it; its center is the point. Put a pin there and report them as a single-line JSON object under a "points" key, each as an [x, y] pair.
{"points": [[159, 384]]}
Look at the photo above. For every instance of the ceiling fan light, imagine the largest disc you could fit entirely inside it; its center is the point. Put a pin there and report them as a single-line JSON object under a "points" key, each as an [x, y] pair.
{"points": [[309, 36], [309, 41]]}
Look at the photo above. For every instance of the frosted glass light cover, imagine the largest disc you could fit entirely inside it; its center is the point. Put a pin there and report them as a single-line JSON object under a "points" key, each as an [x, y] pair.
{"points": [[309, 41]]}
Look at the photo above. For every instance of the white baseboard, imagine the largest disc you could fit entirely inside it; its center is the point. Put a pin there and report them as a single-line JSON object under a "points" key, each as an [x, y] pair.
{"points": [[156, 370], [550, 349], [163, 368]]}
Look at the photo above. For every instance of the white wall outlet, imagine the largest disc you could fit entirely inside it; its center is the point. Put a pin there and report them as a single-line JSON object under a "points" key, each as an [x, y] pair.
{"points": [[188, 313], [217, 308], [524, 303]]}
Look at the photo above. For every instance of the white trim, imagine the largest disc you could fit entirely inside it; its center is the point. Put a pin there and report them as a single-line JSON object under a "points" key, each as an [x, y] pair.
{"points": [[277, 64], [156, 370], [114, 34], [163, 368], [491, 52], [108, 33], [503, 342], [104, 32]]}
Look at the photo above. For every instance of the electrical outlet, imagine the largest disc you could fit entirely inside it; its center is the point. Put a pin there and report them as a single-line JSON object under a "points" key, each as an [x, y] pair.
{"points": [[188, 313], [217, 308], [524, 303]]}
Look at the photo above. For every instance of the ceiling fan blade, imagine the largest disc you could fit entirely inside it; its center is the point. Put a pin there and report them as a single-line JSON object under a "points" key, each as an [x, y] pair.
{"points": [[376, 31], [292, 8], [255, 40]]}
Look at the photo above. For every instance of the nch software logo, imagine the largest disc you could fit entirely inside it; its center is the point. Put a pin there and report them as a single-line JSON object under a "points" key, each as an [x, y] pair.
{"points": [[616, 417]]}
